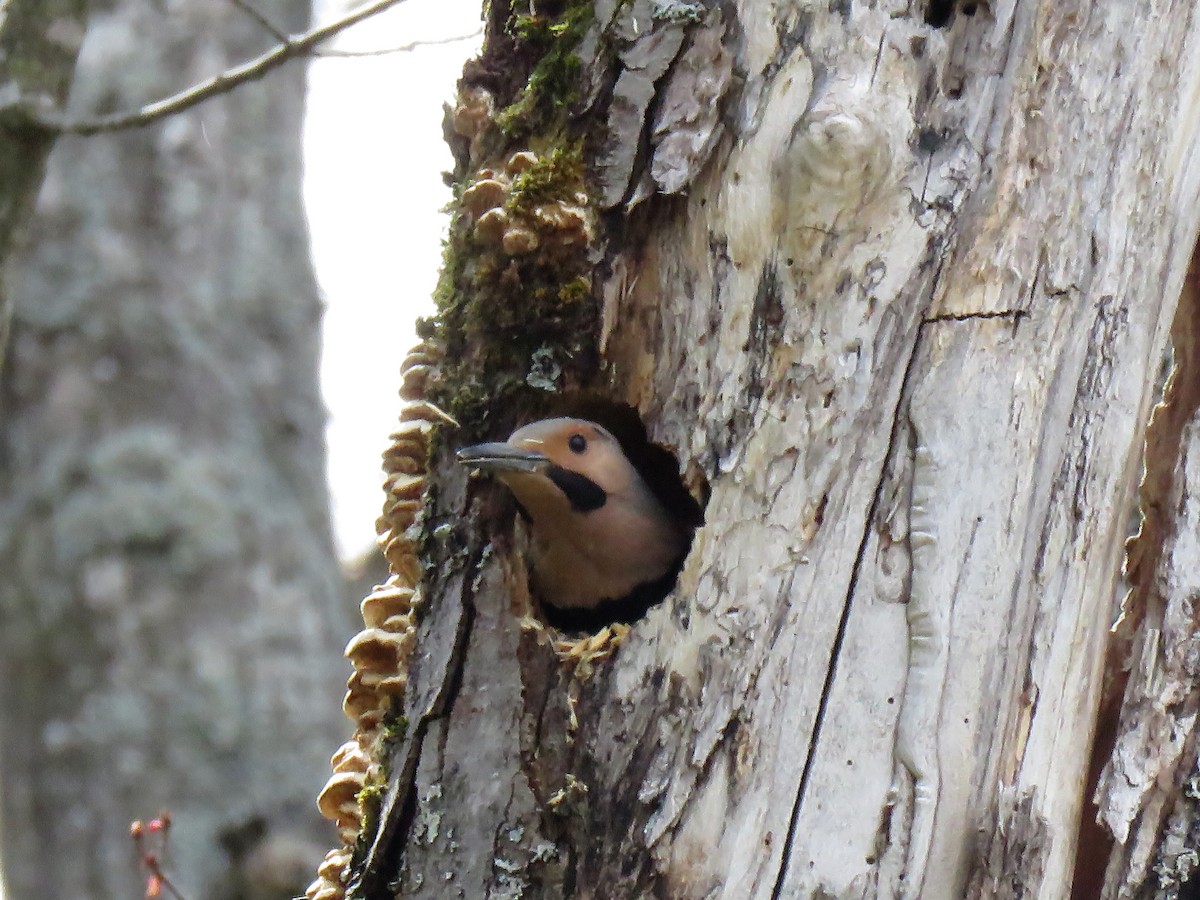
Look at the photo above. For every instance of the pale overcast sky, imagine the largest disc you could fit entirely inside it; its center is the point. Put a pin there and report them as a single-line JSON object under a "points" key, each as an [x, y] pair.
{"points": [[374, 155]]}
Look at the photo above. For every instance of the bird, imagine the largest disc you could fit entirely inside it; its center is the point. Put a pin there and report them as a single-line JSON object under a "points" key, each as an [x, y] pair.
{"points": [[603, 542]]}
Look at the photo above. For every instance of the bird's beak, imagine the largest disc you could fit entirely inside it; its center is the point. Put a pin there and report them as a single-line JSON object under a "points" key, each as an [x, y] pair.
{"points": [[502, 457]]}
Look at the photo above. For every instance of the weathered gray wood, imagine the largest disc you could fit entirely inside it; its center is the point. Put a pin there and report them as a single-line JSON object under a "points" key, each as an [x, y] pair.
{"points": [[1027, 388]]}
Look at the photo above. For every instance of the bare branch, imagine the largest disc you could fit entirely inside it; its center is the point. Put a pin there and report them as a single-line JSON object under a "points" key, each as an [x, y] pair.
{"points": [[403, 48], [300, 45]]}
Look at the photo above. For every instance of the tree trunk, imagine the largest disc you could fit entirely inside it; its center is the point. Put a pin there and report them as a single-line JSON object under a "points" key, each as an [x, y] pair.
{"points": [[172, 607], [1150, 787], [895, 281], [38, 45]]}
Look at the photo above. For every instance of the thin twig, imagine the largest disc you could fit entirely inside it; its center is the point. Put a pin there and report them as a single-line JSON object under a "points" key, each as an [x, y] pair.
{"points": [[280, 35], [226, 81], [403, 48], [151, 859], [258, 16], [170, 886]]}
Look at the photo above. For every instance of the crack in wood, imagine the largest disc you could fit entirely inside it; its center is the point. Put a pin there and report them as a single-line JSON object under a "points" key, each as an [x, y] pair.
{"points": [[1015, 314], [1068, 489], [502, 824], [899, 419]]}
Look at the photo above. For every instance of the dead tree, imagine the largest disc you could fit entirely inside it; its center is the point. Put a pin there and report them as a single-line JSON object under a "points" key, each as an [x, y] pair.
{"points": [[895, 283]]}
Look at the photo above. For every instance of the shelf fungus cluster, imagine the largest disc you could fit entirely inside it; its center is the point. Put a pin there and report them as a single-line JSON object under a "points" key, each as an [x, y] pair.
{"points": [[472, 116], [381, 651], [512, 211]]}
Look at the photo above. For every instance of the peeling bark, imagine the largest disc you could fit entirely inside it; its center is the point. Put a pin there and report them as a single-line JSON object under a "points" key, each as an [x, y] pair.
{"points": [[1149, 790]]}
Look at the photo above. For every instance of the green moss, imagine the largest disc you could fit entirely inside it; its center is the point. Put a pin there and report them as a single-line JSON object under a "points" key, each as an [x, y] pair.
{"points": [[370, 796], [553, 85], [495, 311], [515, 328], [395, 730], [370, 802], [577, 290], [556, 174]]}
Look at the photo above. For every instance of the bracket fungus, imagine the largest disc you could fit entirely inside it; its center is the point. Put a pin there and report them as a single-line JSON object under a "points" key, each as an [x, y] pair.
{"points": [[513, 211], [381, 651]]}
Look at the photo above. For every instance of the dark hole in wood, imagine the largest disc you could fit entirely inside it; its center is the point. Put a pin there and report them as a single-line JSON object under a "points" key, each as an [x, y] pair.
{"points": [[659, 468], [939, 13], [549, 9], [929, 140], [969, 9]]}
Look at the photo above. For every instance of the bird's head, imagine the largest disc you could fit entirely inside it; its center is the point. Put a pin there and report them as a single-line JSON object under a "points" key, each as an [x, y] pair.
{"points": [[559, 467], [599, 531]]}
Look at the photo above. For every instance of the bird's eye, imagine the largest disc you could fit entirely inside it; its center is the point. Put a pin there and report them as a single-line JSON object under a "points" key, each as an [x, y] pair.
{"points": [[577, 443]]}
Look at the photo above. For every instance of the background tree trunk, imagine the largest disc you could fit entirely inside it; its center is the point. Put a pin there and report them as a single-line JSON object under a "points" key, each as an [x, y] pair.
{"points": [[172, 610], [896, 282], [38, 45]]}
